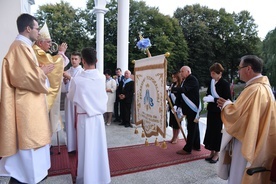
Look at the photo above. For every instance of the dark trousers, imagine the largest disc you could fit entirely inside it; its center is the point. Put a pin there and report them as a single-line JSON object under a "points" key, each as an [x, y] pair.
{"points": [[126, 111], [116, 110], [193, 137]]}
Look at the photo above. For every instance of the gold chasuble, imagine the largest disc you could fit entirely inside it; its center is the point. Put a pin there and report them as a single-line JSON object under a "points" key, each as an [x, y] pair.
{"points": [[251, 120], [54, 77], [24, 121]]}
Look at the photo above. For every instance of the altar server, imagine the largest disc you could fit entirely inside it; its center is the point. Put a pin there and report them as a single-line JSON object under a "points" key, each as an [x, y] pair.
{"points": [[88, 93], [68, 75]]}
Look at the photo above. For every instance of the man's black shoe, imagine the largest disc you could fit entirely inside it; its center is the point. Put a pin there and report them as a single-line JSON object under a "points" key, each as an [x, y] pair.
{"points": [[121, 124], [15, 181], [117, 120], [72, 152]]}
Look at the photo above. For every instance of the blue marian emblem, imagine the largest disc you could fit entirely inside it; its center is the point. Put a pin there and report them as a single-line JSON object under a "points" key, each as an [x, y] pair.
{"points": [[148, 99]]}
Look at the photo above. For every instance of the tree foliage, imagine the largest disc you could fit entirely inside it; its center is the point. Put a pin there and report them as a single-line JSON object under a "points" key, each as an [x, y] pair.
{"points": [[269, 55], [216, 36], [164, 32]]}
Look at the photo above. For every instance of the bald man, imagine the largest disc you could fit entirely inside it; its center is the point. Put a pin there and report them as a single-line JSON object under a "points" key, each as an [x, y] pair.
{"points": [[188, 100]]}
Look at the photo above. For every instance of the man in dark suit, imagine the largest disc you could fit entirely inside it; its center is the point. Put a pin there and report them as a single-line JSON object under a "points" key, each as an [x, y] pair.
{"points": [[126, 90], [117, 104], [188, 100]]}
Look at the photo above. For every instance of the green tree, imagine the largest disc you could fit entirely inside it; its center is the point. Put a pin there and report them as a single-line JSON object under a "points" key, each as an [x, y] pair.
{"points": [[164, 32], [269, 55], [243, 40], [196, 21], [216, 36]]}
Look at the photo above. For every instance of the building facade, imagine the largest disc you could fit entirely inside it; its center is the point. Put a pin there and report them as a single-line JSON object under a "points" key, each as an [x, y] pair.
{"points": [[10, 10]]}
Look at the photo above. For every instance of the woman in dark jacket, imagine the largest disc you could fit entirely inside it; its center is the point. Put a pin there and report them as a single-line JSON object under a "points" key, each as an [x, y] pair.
{"points": [[176, 82], [218, 88]]}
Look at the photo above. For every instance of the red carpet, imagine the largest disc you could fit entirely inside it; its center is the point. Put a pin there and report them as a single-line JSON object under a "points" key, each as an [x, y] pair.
{"points": [[129, 159], [59, 162]]}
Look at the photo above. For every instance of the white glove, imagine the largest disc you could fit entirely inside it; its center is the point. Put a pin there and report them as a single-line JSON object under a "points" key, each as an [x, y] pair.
{"points": [[175, 109], [208, 98], [179, 112]]}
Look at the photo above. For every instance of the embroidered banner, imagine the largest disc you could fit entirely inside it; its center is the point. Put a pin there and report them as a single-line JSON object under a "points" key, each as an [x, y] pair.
{"points": [[150, 95]]}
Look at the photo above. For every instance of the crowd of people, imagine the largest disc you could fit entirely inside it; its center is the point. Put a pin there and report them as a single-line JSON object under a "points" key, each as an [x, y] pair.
{"points": [[239, 134]]}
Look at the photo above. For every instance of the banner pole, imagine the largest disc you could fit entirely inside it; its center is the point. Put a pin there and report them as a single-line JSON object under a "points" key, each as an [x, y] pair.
{"points": [[177, 119]]}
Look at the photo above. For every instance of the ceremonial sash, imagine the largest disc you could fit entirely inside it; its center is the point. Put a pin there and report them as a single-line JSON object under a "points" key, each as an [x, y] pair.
{"points": [[192, 105], [126, 81], [173, 97], [213, 89]]}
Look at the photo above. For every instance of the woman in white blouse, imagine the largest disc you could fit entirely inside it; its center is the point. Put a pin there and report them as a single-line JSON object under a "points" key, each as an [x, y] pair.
{"points": [[111, 93]]}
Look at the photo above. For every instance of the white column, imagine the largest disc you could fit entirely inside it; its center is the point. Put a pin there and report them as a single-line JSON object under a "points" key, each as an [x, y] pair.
{"points": [[123, 35], [100, 10]]}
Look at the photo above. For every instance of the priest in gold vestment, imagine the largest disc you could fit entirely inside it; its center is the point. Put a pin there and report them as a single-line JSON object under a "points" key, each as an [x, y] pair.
{"points": [[250, 127], [41, 48], [25, 132]]}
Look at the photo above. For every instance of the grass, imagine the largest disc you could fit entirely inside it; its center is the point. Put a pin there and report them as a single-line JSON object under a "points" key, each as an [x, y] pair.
{"points": [[237, 90]]}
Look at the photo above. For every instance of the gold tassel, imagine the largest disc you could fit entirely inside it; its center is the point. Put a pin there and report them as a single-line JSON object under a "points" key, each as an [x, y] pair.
{"points": [[143, 134], [136, 131], [146, 142], [156, 142], [164, 145]]}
